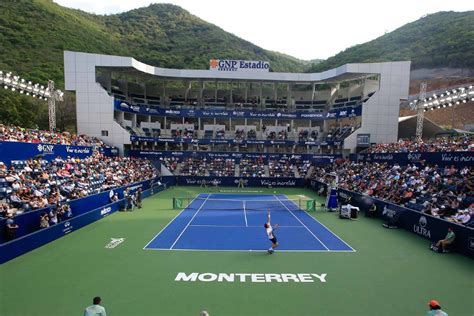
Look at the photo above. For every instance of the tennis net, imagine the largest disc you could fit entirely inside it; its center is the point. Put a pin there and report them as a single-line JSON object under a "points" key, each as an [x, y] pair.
{"points": [[276, 204]]}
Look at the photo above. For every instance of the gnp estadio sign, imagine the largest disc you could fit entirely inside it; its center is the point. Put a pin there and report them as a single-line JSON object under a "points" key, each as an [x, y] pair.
{"points": [[238, 65]]}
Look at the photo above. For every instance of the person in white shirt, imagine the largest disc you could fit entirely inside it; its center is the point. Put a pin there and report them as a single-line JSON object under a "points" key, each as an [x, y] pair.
{"points": [[269, 230], [96, 309]]}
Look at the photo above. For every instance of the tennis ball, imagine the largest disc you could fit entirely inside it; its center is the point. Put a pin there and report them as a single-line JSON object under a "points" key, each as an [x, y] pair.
{"points": [[274, 191]]}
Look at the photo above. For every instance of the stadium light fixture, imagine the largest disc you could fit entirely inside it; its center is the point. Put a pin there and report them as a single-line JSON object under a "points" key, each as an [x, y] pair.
{"points": [[49, 93]]}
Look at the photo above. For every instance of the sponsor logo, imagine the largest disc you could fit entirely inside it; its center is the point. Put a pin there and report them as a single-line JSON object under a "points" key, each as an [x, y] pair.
{"points": [[414, 157], [389, 213], [67, 227], [78, 150], [238, 113], [458, 157], [238, 65], [251, 277], [331, 114], [114, 242], [196, 181], [343, 113], [278, 183], [382, 156], [172, 112], [311, 115], [421, 229], [105, 211], [48, 149]]}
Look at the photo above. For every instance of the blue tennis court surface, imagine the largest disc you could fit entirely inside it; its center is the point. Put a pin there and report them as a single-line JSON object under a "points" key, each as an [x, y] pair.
{"points": [[235, 223]]}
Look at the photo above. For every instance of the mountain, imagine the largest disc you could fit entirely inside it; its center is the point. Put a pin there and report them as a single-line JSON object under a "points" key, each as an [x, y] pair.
{"points": [[33, 35], [443, 39]]}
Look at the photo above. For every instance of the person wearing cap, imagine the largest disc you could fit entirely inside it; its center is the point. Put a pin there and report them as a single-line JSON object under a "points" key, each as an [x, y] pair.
{"points": [[10, 227], [435, 309], [443, 244]]}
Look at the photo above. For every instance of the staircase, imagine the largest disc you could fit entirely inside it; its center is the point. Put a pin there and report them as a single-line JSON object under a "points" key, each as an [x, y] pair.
{"points": [[237, 170]]}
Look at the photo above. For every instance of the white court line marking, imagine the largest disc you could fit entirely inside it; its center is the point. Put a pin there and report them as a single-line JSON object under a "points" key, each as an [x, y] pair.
{"points": [[327, 229], [241, 250], [279, 226], [189, 222], [245, 214], [302, 223], [169, 223]]}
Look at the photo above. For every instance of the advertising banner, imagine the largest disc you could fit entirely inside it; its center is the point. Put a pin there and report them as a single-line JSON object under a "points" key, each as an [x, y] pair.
{"points": [[241, 113], [154, 155], [456, 158], [421, 224]]}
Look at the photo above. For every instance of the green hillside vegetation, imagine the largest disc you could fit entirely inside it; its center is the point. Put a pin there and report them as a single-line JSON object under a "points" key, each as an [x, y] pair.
{"points": [[34, 34], [443, 39]]}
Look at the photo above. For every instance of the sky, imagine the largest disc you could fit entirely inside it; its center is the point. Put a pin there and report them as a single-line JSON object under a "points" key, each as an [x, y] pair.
{"points": [[306, 29]]}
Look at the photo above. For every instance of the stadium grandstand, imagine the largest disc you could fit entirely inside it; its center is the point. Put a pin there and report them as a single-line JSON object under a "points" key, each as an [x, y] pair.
{"points": [[193, 163]]}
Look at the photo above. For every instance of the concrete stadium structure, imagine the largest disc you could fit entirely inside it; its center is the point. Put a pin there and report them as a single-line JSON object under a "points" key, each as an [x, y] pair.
{"points": [[95, 104]]}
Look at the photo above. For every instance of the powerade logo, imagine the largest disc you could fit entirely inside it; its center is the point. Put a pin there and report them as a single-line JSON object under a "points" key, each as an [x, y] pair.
{"points": [[238, 65], [421, 228]]}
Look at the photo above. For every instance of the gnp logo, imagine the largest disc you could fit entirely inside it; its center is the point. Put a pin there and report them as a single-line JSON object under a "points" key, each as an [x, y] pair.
{"points": [[213, 63], [45, 148], [238, 65], [421, 228]]}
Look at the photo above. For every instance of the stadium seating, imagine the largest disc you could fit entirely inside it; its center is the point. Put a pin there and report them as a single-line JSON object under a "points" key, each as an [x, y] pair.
{"points": [[28, 135], [442, 144], [440, 192], [37, 183]]}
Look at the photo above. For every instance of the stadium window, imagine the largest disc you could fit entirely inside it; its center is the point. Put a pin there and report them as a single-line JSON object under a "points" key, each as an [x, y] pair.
{"points": [[105, 133]]}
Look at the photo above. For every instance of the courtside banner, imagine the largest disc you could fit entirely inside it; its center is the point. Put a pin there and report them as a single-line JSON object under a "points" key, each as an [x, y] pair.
{"points": [[421, 224], [247, 181], [28, 222], [88, 214], [234, 65], [456, 158]]}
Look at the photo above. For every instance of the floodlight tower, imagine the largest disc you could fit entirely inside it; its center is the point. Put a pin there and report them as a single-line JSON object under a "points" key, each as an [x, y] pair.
{"points": [[56, 95], [15, 83], [418, 106]]}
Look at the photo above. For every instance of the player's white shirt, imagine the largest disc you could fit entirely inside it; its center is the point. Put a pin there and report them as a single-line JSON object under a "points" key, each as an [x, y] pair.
{"points": [[95, 310], [269, 232]]}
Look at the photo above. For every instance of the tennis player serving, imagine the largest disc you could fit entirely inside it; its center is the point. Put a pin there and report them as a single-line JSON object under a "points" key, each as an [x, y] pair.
{"points": [[269, 229]]}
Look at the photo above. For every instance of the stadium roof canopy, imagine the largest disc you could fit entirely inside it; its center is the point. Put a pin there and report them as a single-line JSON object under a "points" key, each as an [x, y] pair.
{"points": [[407, 127]]}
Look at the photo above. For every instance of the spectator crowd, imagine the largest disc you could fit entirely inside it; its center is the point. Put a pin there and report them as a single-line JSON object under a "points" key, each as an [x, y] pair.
{"points": [[38, 183], [442, 144], [441, 192], [28, 135]]}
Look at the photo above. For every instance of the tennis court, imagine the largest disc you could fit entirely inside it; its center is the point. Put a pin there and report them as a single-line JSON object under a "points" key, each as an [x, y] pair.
{"points": [[234, 222]]}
